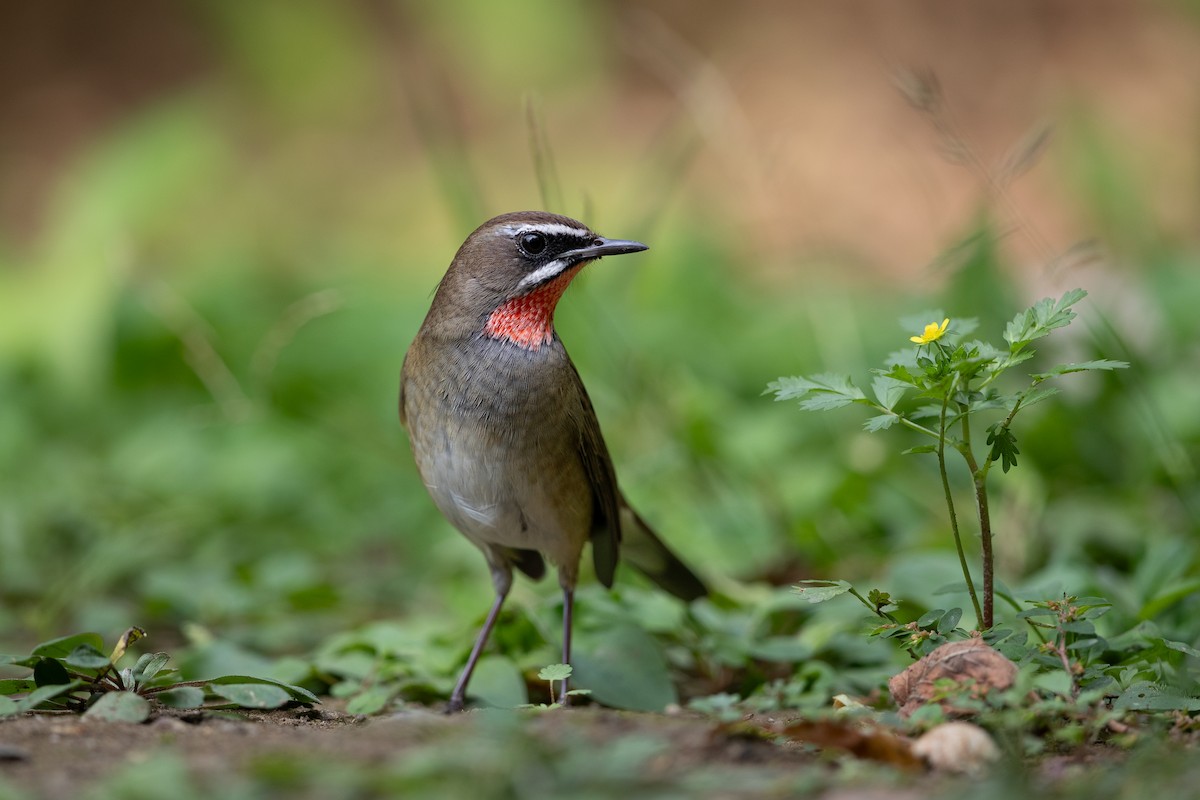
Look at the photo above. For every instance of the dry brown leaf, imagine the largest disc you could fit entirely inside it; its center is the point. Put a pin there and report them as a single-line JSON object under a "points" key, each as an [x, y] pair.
{"points": [[863, 741], [970, 661]]}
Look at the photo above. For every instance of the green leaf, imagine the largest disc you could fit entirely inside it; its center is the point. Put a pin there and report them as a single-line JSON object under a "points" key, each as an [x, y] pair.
{"points": [[888, 390], [624, 667], [149, 665], [45, 693], [921, 448], [782, 649], [50, 672], [1041, 318], [62, 647], [818, 393], [818, 591], [1036, 395], [555, 672], [1182, 648], [296, 692], [1082, 366], [498, 682], [120, 707], [372, 701], [16, 686], [87, 657], [930, 617], [1009, 361], [8, 707], [949, 620], [181, 697], [251, 695], [1004, 445], [880, 422], [1147, 696]]}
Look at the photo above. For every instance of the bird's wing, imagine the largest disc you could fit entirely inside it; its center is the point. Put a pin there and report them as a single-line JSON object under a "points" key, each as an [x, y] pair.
{"points": [[403, 369], [606, 517]]}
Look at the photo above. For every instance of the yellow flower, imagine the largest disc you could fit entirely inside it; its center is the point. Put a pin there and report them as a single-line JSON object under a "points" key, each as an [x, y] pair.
{"points": [[932, 332]]}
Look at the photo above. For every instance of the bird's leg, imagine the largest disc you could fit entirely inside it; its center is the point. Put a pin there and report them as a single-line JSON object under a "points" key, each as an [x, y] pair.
{"points": [[568, 606], [459, 697]]}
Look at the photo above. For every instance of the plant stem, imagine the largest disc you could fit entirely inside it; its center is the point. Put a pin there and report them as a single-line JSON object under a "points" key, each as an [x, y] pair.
{"points": [[962, 556], [1060, 648], [874, 610], [979, 478], [1008, 422]]}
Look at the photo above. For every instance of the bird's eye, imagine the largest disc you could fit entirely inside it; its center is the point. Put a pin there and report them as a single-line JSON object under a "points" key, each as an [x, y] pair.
{"points": [[532, 243]]}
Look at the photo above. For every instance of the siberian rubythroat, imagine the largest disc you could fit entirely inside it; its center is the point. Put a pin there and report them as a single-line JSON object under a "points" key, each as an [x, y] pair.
{"points": [[502, 430]]}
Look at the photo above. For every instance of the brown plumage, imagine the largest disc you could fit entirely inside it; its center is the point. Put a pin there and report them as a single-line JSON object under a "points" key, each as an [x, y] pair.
{"points": [[502, 430]]}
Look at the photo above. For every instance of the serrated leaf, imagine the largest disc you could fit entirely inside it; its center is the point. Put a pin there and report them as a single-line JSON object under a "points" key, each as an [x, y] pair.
{"points": [[87, 657], [120, 707], [1037, 395], [929, 412], [1082, 366], [1146, 696], [818, 591], [889, 390], [251, 695], [906, 358], [555, 672], [880, 422], [1010, 360], [1041, 318], [181, 697], [62, 647], [1004, 446], [818, 393]]}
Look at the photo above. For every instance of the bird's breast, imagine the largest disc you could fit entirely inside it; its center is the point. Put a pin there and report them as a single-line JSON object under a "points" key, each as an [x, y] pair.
{"points": [[496, 441]]}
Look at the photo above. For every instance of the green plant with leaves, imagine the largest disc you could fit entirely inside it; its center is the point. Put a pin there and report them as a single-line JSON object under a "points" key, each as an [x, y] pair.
{"points": [[72, 673], [954, 382]]}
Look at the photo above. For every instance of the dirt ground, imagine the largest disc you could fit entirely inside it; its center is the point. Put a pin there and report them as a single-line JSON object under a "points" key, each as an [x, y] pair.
{"points": [[67, 756]]}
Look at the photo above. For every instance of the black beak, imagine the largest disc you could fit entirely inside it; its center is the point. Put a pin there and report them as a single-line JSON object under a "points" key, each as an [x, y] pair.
{"points": [[603, 247]]}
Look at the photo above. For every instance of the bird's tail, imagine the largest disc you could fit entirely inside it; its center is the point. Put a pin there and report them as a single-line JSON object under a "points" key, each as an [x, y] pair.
{"points": [[642, 548]]}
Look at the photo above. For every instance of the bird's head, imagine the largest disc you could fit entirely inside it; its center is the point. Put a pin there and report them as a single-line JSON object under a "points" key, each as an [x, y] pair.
{"points": [[509, 274]]}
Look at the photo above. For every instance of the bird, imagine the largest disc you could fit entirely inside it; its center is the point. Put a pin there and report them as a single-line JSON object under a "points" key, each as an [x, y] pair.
{"points": [[502, 431]]}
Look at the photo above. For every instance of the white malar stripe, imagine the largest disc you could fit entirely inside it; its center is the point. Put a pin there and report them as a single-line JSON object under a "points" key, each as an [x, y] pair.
{"points": [[548, 228], [543, 273]]}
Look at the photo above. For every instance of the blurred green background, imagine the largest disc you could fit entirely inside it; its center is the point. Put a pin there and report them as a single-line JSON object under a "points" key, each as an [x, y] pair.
{"points": [[221, 224]]}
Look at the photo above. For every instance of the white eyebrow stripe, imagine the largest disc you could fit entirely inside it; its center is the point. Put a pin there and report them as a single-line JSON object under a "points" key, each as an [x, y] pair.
{"points": [[548, 228], [543, 273]]}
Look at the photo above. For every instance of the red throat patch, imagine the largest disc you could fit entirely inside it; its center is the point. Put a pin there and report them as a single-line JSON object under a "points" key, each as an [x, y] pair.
{"points": [[528, 321]]}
